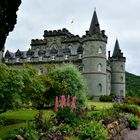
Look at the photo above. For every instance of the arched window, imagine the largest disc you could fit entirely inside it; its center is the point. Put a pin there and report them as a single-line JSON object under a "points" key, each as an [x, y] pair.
{"points": [[121, 67], [100, 50], [99, 67], [100, 87], [121, 78]]}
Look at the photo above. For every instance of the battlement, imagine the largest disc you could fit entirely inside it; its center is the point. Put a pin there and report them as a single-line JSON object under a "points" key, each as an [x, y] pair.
{"points": [[63, 32], [38, 42], [95, 37]]}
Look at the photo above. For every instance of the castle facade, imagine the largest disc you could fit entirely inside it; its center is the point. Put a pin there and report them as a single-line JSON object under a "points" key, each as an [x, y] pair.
{"points": [[103, 75]]}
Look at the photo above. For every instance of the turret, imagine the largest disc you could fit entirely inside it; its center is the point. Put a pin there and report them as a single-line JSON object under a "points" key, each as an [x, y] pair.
{"points": [[94, 58], [117, 62]]}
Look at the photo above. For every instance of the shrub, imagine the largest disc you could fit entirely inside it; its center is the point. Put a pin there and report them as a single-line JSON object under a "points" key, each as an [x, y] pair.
{"points": [[123, 107], [93, 130], [107, 98], [65, 115], [132, 100], [133, 122]]}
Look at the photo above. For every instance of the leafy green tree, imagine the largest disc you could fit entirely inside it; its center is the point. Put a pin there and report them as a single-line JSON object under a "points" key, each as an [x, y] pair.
{"points": [[11, 86], [33, 86], [66, 80]]}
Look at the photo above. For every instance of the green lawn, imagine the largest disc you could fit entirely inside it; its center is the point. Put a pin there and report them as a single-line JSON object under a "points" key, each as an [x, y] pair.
{"points": [[99, 105]]}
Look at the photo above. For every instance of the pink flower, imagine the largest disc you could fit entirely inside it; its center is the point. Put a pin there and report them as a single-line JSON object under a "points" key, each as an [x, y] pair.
{"points": [[68, 100], [63, 101], [56, 104], [73, 103]]}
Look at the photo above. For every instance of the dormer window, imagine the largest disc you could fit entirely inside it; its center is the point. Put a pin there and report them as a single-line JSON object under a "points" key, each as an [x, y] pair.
{"points": [[100, 50], [6, 60], [17, 60], [99, 67], [40, 58], [80, 56], [53, 57], [28, 59], [66, 57]]}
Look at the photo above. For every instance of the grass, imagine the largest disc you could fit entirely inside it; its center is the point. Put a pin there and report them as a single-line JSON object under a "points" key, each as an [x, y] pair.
{"points": [[27, 115], [99, 105], [6, 131]]}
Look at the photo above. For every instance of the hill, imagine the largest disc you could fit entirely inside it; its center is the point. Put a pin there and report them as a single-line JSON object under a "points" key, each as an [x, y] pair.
{"points": [[132, 84]]}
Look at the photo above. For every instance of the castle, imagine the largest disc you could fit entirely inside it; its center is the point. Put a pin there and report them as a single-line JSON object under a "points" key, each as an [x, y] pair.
{"points": [[103, 75]]}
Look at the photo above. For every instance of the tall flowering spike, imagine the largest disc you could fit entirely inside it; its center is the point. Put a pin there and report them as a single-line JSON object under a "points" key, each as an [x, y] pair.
{"points": [[63, 101], [68, 100], [73, 103], [56, 104]]}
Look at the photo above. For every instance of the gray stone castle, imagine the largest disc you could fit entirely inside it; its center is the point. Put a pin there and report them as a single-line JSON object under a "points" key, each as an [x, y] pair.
{"points": [[103, 75]]}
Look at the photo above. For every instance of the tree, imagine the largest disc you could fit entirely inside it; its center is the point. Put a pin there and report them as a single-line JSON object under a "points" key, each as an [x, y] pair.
{"points": [[33, 86], [65, 80], [8, 9], [11, 86]]}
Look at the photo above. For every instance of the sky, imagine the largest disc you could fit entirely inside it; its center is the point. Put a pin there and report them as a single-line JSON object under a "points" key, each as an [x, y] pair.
{"points": [[120, 19]]}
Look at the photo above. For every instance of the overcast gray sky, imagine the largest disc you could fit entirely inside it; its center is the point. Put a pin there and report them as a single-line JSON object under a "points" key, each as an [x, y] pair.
{"points": [[120, 19]]}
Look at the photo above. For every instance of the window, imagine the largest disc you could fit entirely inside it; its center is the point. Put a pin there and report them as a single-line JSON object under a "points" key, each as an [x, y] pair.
{"points": [[40, 58], [66, 57], [121, 78], [17, 59], [80, 56], [99, 67], [121, 67], [28, 59], [53, 57], [100, 87], [100, 50], [6, 60]]}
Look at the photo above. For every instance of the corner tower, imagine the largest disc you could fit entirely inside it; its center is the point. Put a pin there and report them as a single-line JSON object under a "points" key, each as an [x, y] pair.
{"points": [[117, 62], [94, 58]]}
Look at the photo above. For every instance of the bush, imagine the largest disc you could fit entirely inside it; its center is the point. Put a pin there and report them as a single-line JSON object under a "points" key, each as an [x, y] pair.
{"points": [[132, 100], [133, 122], [65, 115], [93, 130], [107, 98], [123, 107]]}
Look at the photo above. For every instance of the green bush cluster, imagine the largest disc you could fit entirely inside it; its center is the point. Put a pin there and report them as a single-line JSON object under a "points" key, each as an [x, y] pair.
{"points": [[93, 130], [107, 98], [123, 107], [65, 115], [132, 100], [133, 122]]}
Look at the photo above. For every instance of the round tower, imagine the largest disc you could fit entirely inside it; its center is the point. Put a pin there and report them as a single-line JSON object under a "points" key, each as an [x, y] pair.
{"points": [[117, 62], [94, 59]]}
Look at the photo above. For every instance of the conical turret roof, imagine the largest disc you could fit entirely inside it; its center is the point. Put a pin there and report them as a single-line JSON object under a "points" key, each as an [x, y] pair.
{"points": [[94, 26]]}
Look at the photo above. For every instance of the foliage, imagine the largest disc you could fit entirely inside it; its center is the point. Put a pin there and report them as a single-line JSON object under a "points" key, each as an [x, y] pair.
{"points": [[64, 80], [33, 86], [133, 122], [93, 130], [123, 107], [65, 115], [11, 86], [107, 98], [132, 100], [8, 18], [2, 121], [28, 132], [132, 85]]}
